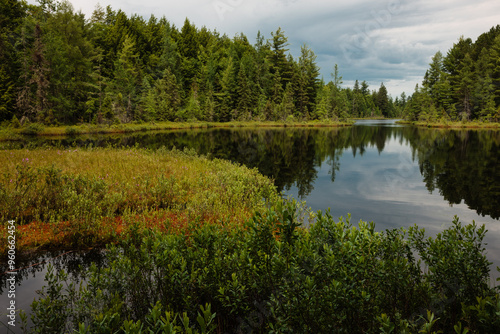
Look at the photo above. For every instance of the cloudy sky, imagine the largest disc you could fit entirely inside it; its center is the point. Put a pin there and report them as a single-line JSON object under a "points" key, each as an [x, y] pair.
{"points": [[389, 41]]}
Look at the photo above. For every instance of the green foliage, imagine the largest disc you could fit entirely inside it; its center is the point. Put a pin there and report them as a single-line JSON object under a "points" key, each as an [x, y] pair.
{"points": [[72, 131], [59, 67], [32, 129], [49, 194], [463, 85], [273, 276], [15, 122]]}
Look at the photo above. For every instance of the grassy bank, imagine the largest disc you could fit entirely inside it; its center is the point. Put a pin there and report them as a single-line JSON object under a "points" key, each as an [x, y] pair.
{"points": [[453, 125], [11, 133], [81, 198]]}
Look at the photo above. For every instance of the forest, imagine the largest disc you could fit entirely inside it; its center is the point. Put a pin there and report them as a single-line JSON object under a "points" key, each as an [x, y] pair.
{"points": [[58, 67], [462, 85]]}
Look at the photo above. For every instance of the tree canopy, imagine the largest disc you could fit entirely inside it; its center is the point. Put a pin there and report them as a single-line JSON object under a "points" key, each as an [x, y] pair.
{"points": [[464, 84], [59, 67]]}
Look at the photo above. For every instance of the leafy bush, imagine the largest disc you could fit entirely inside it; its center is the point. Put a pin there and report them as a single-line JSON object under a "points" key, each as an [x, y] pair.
{"points": [[32, 129], [15, 122], [271, 276], [72, 131]]}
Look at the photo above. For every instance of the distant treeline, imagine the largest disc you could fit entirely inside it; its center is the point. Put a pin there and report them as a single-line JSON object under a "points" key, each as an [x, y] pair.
{"points": [[463, 85], [59, 67]]}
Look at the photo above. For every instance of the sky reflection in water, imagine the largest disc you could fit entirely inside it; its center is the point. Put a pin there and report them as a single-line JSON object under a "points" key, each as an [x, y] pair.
{"points": [[388, 188]]}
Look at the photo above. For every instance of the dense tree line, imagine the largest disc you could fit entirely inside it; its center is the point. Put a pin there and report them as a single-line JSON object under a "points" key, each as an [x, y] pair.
{"points": [[58, 67], [463, 85]]}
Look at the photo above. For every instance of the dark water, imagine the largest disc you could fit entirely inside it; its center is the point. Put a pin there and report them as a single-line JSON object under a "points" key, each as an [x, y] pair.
{"points": [[376, 171], [30, 279]]}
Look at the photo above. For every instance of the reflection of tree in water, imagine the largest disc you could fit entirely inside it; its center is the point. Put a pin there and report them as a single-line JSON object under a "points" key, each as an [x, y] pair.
{"points": [[32, 266], [463, 165]]}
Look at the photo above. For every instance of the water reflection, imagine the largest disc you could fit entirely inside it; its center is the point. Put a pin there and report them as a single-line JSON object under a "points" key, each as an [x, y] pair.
{"points": [[31, 273], [462, 166]]}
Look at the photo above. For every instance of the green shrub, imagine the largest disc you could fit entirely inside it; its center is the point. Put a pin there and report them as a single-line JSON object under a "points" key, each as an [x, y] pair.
{"points": [[271, 276], [15, 122], [72, 131], [32, 129]]}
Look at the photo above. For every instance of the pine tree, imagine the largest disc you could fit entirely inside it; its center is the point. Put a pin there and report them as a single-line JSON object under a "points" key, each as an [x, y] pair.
{"points": [[383, 101], [453, 63], [39, 77], [225, 97], [11, 14], [286, 107], [279, 62], [70, 53], [484, 89], [161, 101], [7, 95], [97, 84], [322, 107], [494, 57], [193, 110], [308, 79], [170, 57], [465, 87], [188, 48], [123, 87], [244, 93], [357, 101]]}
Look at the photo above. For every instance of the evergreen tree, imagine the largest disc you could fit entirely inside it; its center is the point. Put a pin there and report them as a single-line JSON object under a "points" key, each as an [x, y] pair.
{"points": [[225, 96], [245, 93], [279, 62], [364, 88], [123, 87], [11, 15], [39, 78], [170, 57], [494, 60], [309, 72], [188, 49], [465, 87], [70, 54], [286, 106], [322, 107], [160, 101], [383, 101]]}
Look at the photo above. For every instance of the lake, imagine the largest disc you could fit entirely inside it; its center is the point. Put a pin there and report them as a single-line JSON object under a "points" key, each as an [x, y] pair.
{"points": [[393, 175]]}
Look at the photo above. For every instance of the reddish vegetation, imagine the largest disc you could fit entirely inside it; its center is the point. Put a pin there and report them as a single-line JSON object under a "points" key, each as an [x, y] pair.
{"points": [[39, 235]]}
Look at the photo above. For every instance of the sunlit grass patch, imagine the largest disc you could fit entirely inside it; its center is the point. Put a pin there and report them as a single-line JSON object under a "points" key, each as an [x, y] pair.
{"points": [[10, 133], [475, 124], [88, 196]]}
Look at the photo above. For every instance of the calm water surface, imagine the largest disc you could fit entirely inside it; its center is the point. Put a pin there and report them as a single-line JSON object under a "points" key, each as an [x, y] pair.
{"points": [[395, 176]]}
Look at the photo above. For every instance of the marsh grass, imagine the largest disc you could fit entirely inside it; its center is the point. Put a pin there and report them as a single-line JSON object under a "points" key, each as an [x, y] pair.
{"points": [[12, 133], [83, 197], [454, 124]]}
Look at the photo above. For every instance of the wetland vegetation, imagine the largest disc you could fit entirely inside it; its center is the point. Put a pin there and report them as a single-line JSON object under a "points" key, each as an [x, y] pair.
{"points": [[195, 244]]}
